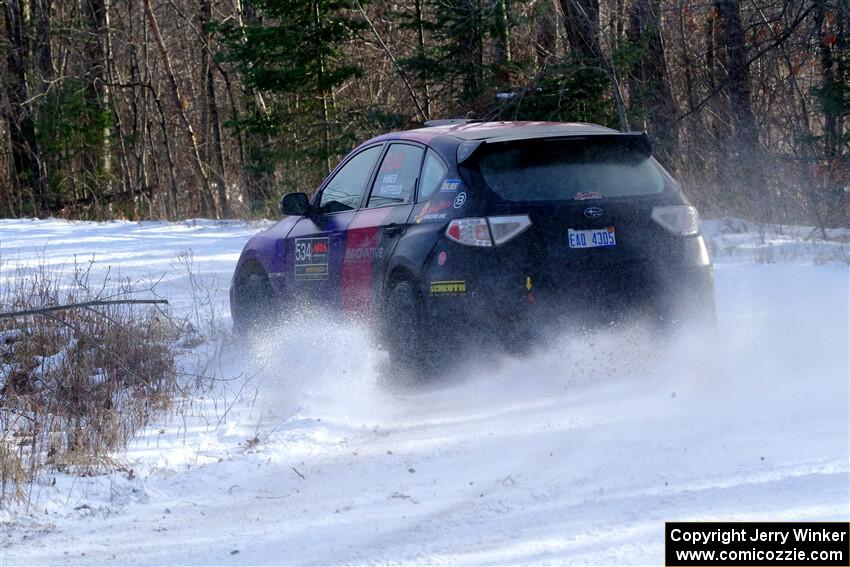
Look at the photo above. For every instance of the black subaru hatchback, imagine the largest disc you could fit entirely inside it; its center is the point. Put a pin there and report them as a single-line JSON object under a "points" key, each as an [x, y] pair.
{"points": [[507, 227]]}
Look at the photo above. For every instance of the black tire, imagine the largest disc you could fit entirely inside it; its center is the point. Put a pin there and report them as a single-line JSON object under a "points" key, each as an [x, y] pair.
{"points": [[517, 338], [253, 301], [404, 332]]}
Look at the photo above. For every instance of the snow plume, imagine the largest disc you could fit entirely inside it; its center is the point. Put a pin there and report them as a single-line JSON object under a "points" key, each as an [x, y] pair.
{"points": [[323, 368], [314, 365]]}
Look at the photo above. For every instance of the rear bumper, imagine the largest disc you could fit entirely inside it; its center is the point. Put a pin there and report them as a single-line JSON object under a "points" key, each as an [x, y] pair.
{"points": [[489, 293]]}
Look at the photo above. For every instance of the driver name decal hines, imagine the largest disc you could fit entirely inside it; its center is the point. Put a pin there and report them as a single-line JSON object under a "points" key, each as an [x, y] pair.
{"points": [[311, 258]]}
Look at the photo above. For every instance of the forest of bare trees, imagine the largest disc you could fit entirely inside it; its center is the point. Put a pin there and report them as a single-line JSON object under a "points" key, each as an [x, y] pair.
{"points": [[177, 108]]}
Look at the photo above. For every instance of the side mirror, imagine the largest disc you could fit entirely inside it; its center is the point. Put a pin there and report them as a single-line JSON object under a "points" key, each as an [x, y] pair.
{"points": [[295, 204]]}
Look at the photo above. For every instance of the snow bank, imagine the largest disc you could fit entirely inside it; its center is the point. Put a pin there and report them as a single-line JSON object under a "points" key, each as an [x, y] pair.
{"points": [[734, 240]]}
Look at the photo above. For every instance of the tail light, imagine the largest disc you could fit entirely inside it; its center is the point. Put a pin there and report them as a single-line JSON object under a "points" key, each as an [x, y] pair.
{"points": [[682, 220], [472, 232], [488, 231], [508, 227]]}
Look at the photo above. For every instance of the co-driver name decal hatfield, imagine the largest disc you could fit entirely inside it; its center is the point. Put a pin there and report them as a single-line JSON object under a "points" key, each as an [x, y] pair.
{"points": [[311, 258]]}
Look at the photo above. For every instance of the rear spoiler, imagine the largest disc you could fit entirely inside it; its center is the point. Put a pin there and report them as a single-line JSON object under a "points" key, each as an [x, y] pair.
{"points": [[638, 141]]}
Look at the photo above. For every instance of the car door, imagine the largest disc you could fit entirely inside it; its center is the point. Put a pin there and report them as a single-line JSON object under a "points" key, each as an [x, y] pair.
{"points": [[315, 247], [376, 229]]}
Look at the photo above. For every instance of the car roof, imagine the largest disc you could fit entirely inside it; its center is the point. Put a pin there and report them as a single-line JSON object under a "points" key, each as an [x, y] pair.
{"points": [[518, 130], [497, 131], [445, 138]]}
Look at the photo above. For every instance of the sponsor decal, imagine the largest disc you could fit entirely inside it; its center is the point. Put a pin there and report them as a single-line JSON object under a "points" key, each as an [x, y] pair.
{"points": [[593, 212], [311, 258], [432, 216], [363, 254], [450, 185], [441, 257], [362, 246], [587, 195], [433, 211], [455, 287], [460, 200]]}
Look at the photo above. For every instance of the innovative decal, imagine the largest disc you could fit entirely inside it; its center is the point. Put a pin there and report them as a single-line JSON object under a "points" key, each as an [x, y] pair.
{"points": [[362, 250], [448, 287], [368, 253], [311, 258]]}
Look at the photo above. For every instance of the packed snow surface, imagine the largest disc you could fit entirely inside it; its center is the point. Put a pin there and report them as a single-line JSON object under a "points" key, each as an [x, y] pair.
{"points": [[312, 452]]}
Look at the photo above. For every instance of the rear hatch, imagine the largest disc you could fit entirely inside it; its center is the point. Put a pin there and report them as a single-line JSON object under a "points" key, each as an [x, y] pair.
{"points": [[590, 202]]}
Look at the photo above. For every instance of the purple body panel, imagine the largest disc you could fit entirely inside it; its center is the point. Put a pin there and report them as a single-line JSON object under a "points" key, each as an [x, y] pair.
{"points": [[333, 228]]}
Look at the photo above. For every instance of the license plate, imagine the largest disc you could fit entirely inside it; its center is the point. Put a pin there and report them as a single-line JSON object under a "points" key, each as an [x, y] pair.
{"points": [[592, 238]]}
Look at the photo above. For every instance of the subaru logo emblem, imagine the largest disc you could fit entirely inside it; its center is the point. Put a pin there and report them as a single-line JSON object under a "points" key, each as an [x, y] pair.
{"points": [[593, 212]]}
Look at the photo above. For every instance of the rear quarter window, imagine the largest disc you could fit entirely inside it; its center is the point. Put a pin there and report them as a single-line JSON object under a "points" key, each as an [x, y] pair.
{"points": [[554, 171], [433, 173]]}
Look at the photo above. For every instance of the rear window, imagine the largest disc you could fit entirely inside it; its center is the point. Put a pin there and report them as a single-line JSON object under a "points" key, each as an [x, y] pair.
{"points": [[561, 170]]}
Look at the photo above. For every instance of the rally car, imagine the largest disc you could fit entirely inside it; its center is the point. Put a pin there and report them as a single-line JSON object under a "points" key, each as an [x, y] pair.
{"points": [[463, 228]]}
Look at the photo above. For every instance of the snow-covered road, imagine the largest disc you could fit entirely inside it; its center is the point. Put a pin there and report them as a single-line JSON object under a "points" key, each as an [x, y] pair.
{"points": [[576, 455]]}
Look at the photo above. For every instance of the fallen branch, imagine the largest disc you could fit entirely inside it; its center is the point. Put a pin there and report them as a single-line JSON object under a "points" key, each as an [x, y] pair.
{"points": [[43, 310]]}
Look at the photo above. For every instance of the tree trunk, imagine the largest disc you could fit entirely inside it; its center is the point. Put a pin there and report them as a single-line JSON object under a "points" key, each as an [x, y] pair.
{"points": [[649, 86], [25, 153], [420, 46], [472, 46], [212, 114], [581, 22], [502, 46], [738, 73], [546, 33], [195, 154], [326, 138], [42, 44], [96, 160], [112, 75], [834, 175], [746, 158]]}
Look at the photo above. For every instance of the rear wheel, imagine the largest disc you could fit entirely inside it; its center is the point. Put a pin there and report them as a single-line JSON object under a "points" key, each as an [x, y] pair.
{"points": [[253, 301], [404, 331], [517, 337]]}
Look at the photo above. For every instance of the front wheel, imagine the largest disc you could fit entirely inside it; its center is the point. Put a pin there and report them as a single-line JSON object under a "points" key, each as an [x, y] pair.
{"points": [[253, 303]]}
